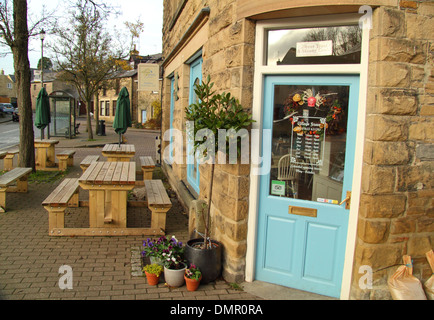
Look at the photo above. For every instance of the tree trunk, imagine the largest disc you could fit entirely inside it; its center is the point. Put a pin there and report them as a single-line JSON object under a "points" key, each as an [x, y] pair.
{"points": [[96, 113], [89, 123], [208, 215], [22, 76]]}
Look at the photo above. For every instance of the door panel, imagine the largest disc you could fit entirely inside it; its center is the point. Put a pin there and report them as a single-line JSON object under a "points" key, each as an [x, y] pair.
{"points": [[193, 177], [302, 228]]}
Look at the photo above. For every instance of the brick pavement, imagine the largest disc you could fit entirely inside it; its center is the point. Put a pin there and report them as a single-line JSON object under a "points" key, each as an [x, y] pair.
{"points": [[102, 266]]}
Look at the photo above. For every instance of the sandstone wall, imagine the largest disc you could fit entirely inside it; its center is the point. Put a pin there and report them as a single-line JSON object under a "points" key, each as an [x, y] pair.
{"points": [[396, 214]]}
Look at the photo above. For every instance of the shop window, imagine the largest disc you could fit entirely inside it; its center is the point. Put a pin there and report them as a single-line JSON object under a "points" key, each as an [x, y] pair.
{"points": [[326, 45]]}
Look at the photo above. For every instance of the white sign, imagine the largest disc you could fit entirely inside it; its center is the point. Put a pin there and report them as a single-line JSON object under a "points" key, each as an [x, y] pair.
{"points": [[278, 188], [315, 48], [149, 74]]}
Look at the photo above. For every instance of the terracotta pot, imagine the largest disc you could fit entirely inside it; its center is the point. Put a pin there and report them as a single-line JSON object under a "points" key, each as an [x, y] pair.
{"points": [[153, 279], [192, 284]]}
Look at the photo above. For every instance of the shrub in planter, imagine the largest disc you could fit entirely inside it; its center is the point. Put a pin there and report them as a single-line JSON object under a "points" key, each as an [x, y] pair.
{"points": [[213, 113]]}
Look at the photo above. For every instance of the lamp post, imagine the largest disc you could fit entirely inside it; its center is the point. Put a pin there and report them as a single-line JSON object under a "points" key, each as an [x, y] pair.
{"points": [[42, 37]]}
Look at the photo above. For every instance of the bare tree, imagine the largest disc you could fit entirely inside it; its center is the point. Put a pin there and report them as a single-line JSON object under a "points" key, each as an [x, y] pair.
{"points": [[85, 52]]}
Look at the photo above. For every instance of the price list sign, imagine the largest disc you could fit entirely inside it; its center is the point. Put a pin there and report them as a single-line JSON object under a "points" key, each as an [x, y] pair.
{"points": [[307, 144]]}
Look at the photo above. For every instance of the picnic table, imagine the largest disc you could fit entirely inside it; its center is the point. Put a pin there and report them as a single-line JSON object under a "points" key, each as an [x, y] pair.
{"points": [[108, 184], [45, 153], [116, 152]]}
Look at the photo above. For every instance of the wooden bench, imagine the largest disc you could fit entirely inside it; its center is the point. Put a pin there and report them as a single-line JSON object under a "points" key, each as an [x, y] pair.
{"points": [[158, 202], [66, 159], [148, 167], [8, 163], [87, 162], [18, 175], [64, 196]]}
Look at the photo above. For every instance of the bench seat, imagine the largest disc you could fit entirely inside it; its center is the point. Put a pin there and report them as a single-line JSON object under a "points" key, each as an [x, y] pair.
{"points": [[66, 159], [64, 196], [87, 162], [148, 166], [16, 175], [8, 163], [158, 202]]}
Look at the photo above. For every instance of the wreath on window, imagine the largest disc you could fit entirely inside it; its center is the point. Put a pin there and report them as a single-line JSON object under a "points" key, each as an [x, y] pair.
{"points": [[334, 119]]}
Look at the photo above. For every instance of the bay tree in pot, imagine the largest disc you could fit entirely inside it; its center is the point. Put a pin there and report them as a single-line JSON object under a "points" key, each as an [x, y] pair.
{"points": [[217, 124]]}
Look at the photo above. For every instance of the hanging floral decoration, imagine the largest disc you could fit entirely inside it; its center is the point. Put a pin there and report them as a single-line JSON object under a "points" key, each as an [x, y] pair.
{"points": [[333, 121]]}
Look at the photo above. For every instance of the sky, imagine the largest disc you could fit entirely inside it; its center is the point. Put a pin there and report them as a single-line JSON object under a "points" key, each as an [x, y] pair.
{"points": [[150, 12]]}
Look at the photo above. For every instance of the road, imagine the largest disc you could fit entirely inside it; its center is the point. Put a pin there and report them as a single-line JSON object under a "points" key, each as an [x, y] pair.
{"points": [[10, 133]]}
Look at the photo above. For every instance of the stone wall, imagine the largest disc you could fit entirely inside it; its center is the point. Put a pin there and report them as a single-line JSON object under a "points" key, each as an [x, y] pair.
{"points": [[396, 214], [228, 57]]}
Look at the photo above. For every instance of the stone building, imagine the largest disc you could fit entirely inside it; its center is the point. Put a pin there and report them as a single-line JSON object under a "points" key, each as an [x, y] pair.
{"points": [[140, 101], [340, 181], [8, 91]]}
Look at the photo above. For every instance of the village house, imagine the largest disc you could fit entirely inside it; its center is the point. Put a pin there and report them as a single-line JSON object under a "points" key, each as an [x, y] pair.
{"points": [[342, 93], [127, 76], [8, 91]]}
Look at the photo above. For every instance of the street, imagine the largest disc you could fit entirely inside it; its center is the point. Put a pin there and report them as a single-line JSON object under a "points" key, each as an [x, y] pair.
{"points": [[9, 133]]}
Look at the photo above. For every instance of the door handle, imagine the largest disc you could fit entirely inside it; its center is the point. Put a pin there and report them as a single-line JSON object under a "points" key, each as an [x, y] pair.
{"points": [[347, 200]]}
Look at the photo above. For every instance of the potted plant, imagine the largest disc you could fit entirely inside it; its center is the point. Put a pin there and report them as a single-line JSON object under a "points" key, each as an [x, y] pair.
{"points": [[174, 267], [213, 112], [155, 249], [192, 277], [153, 273]]}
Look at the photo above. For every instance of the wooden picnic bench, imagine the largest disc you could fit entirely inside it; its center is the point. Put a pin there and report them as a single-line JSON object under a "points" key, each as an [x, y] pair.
{"points": [[18, 175], [116, 152], [66, 159], [8, 163], [148, 166], [158, 202], [87, 162], [64, 196]]}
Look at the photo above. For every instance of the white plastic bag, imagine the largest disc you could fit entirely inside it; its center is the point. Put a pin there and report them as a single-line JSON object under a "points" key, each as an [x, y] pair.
{"points": [[403, 285], [429, 284]]}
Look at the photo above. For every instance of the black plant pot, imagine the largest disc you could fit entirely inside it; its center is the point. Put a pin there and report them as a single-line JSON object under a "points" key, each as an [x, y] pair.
{"points": [[209, 261]]}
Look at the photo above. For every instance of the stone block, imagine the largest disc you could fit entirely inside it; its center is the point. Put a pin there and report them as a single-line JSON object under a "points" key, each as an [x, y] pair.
{"points": [[389, 74], [392, 101], [386, 153], [419, 27], [377, 180], [373, 231], [379, 256], [416, 177], [418, 245], [382, 206], [397, 50], [239, 187], [403, 225], [421, 129], [386, 128], [388, 22], [425, 152]]}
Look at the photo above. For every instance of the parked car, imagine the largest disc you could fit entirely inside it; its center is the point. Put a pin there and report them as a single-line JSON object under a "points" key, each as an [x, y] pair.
{"points": [[8, 108], [15, 116]]}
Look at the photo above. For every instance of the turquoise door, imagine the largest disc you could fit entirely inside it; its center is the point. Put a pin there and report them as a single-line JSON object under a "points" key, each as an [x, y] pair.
{"points": [[302, 219], [193, 177]]}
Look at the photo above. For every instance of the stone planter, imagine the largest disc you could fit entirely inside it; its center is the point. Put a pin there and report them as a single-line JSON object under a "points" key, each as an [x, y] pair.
{"points": [[207, 260], [174, 277]]}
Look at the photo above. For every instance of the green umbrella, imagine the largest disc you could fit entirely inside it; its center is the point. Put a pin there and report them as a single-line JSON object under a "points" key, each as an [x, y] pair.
{"points": [[123, 116], [42, 116]]}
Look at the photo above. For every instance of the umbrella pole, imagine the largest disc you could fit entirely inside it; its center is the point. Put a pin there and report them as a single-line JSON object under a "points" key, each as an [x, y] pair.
{"points": [[120, 134], [42, 134]]}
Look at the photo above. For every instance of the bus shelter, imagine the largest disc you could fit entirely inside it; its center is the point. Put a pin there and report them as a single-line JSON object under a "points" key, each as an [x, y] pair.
{"points": [[63, 114]]}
